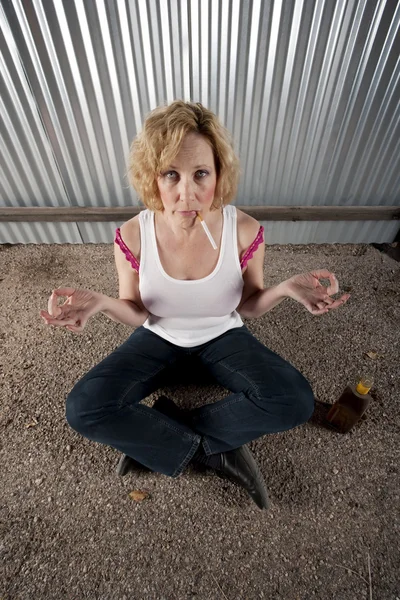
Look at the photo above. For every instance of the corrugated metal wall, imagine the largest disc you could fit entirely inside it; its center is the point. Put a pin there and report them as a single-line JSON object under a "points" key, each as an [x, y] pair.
{"points": [[309, 89]]}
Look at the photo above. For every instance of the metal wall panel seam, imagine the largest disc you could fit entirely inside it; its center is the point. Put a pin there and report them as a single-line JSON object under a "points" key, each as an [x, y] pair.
{"points": [[167, 46], [204, 52], [35, 197], [245, 138], [44, 28], [249, 155], [231, 90], [115, 85], [147, 51], [280, 32], [249, 83], [108, 196], [159, 70], [176, 48], [59, 192], [130, 65], [186, 54], [223, 75], [12, 166], [265, 103], [81, 93], [240, 62], [396, 183], [246, 35], [277, 89], [371, 147], [354, 147], [291, 165], [290, 89], [138, 59], [214, 56], [7, 234], [7, 197], [281, 119], [195, 49], [45, 90], [387, 168], [337, 153], [341, 66], [317, 120], [94, 233]]}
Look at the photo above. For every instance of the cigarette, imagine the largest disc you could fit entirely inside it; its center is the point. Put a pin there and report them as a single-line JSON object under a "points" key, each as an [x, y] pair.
{"points": [[210, 237]]}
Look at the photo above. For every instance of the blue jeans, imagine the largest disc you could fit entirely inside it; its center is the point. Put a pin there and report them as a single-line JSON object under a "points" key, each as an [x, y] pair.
{"points": [[267, 395]]}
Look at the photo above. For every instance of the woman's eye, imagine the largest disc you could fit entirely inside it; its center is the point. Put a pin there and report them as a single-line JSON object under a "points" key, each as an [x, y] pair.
{"points": [[170, 174], [201, 174]]}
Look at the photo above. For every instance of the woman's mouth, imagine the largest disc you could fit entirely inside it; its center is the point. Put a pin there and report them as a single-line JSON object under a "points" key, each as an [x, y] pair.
{"points": [[187, 213]]}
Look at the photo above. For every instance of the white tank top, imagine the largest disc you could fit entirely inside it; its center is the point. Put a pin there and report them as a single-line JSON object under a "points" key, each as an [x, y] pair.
{"points": [[191, 312]]}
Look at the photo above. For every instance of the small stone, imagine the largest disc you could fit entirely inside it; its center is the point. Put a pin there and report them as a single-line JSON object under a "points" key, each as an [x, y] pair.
{"points": [[49, 499], [69, 448], [335, 471], [38, 481]]}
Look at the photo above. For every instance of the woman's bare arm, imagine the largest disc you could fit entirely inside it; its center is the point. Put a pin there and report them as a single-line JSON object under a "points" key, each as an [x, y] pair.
{"points": [[128, 308], [305, 288]]}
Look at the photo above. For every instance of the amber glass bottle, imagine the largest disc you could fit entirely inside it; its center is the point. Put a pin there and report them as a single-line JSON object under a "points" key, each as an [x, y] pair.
{"points": [[351, 405]]}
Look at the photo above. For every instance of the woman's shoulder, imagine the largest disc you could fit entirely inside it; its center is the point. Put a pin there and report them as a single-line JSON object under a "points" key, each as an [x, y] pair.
{"points": [[247, 229], [130, 234]]}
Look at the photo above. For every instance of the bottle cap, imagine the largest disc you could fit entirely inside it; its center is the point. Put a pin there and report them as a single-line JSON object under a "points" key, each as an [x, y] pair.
{"points": [[364, 384]]}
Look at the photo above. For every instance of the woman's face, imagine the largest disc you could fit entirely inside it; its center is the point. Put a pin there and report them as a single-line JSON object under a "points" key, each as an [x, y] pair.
{"points": [[188, 184]]}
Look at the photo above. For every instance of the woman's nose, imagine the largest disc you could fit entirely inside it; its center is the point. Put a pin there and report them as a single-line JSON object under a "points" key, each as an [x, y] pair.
{"points": [[186, 190]]}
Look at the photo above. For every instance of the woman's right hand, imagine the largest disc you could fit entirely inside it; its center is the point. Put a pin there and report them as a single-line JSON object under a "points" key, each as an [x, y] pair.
{"points": [[79, 306]]}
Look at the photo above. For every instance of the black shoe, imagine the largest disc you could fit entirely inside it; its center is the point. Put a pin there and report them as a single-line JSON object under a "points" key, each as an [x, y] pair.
{"points": [[126, 464], [240, 467]]}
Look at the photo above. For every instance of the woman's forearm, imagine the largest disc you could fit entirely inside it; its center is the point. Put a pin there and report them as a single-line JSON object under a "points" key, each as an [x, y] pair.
{"points": [[123, 311], [264, 300]]}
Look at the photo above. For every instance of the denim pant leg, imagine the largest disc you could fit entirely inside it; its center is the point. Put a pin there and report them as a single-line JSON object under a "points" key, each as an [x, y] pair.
{"points": [[104, 405], [269, 395]]}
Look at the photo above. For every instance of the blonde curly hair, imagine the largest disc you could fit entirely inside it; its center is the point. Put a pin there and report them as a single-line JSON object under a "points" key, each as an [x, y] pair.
{"points": [[159, 143]]}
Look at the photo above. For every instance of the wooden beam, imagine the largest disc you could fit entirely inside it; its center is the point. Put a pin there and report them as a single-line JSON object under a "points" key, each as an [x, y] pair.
{"points": [[261, 213]]}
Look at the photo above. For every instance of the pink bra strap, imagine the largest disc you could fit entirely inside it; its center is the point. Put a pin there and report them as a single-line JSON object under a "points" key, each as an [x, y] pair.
{"points": [[251, 249], [128, 254]]}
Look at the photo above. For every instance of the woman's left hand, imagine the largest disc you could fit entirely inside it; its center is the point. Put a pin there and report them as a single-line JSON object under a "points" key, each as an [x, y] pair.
{"points": [[307, 289]]}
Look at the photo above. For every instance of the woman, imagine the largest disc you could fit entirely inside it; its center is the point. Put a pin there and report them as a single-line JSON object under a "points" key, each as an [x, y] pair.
{"points": [[189, 267]]}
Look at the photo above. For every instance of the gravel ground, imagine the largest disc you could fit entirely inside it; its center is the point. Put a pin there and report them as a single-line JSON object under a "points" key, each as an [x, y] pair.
{"points": [[69, 528]]}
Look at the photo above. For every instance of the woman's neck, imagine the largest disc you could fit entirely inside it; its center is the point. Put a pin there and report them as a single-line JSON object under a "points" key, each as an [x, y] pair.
{"points": [[186, 229]]}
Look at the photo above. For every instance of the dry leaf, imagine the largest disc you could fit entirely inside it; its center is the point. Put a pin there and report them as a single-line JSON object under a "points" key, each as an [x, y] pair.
{"points": [[33, 423], [373, 355], [139, 495]]}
